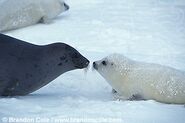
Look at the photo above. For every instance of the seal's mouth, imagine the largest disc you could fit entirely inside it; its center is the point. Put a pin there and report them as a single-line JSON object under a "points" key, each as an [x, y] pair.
{"points": [[86, 64], [82, 64]]}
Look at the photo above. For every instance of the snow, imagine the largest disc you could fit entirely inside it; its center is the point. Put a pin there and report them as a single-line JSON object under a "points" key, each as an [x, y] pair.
{"points": [[150, 31]]}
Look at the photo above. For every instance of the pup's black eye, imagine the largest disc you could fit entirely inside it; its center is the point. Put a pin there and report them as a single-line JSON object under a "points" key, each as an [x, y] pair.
{"points": [[104, 63]]}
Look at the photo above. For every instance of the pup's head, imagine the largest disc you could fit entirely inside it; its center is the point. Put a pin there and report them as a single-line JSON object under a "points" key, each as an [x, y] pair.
{"points": [[52, 8], [112, 66], [64, 5]]}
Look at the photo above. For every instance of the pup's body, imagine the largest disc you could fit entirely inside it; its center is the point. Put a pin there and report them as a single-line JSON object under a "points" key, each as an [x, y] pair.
{"points": [[144, 80]]}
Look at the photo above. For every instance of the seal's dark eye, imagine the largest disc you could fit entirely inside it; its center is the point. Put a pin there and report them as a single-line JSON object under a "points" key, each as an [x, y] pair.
{"points": [[104, 63]]}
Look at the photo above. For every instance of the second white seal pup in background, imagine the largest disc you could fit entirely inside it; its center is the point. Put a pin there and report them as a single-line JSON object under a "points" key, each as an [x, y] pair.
{"points": [[133, 79], [16, 14]]}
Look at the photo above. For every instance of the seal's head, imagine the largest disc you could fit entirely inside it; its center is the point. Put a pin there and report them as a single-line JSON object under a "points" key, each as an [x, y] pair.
{"points": [[77, 59], [64, 5], [112, 67], [53, 8], [64, 56]]}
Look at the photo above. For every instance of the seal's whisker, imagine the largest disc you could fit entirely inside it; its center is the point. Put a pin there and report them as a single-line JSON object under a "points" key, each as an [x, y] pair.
{"points": [[87, 69]]}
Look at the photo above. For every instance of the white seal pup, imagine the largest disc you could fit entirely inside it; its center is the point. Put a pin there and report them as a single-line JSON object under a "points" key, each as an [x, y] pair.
{"points": [[133, 79], [16, 14]]}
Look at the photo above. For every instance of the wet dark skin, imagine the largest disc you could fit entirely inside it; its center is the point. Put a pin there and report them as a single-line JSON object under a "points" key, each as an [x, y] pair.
{"points": [[26, 67]]}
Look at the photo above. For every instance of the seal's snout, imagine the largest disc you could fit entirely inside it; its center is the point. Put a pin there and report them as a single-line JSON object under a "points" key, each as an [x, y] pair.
{"points": [[66, 6], [87, 63], [95, 65], [81, 62]]}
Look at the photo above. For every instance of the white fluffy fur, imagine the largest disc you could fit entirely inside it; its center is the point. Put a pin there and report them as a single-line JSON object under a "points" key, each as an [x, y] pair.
{"points": [[20, 13], [151, 81]]}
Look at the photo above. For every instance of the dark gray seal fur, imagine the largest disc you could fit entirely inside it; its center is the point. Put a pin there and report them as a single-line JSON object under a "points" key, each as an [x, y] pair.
{"points": [[25, 67]]}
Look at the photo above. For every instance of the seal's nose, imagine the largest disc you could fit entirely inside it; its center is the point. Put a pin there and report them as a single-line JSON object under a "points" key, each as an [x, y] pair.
{"points": [[95, 65], [87, 63], [80, 61], [66, 6]]}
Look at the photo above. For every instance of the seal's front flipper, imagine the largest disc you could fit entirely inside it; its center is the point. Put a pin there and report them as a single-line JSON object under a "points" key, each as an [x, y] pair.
{"points": [[45, 20], [117, 96], [114, 91]]}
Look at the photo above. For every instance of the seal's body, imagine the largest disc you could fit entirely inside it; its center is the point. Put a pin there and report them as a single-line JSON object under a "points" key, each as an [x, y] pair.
{"points": [[16, 14], [25, 67], [133, 79]]}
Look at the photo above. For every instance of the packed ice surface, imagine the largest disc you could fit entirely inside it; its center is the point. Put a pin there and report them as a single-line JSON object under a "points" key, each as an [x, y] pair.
{"points": [[149, 31]]}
